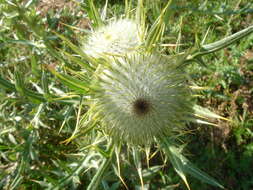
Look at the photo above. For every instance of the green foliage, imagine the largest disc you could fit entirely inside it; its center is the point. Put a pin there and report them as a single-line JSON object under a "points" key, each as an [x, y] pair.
{"points": [[48, 140]]}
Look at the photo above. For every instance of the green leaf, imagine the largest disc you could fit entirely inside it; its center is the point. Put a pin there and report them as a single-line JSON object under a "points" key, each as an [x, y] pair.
{"points": [[150, 172], [96, 180], [19, 83], [44, 82], [70, 44], [158, 27], [7, 85], [25, 42], [93, 13], [191, 169], [79, 61], [76, 49], [206, 113], [182, 166], [71, 82], [177, 164], [37, 97], [20, 87], [218, 45]]}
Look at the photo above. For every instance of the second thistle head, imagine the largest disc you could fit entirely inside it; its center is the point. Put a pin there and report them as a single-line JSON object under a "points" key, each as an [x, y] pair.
{"points": [[116, 38], [142, 97]]}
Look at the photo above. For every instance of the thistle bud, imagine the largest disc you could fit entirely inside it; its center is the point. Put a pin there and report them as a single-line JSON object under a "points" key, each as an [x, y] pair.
{"points": [[116, 38], [142, 97]]}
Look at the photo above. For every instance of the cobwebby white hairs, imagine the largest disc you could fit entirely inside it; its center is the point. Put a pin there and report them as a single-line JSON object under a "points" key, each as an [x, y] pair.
{"points": [[141, 97], [116, 38]]}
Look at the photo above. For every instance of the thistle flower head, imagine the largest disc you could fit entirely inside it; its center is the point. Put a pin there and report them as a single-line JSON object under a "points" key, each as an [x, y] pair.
{"points": [[142, 97], [118, 37]]}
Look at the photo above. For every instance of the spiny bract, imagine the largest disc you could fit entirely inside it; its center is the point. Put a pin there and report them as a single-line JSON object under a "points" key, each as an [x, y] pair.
{"points": [[141, 97], [118, 37]]}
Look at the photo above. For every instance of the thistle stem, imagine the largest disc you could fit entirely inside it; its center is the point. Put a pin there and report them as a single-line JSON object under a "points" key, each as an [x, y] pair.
{"points": [[216, 46]]}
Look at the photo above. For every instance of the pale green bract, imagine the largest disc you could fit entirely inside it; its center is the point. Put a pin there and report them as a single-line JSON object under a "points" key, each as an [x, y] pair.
{"points": [[118, 37], [141, 97]]}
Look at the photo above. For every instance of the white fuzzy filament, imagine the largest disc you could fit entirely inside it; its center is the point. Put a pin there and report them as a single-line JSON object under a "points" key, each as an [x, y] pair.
{"points": [[118, 37], [141, 97]]}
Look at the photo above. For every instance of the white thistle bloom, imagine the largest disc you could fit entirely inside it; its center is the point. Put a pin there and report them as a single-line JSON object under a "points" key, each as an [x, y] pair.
{"points": [[141, 97], [118, 37]]}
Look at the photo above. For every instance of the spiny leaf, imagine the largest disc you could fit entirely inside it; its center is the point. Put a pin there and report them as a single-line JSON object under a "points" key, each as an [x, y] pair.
{"points": [[93, 13], [177, 164], [96, 180], [182, 165], [71, 82], [216, 46], [206, 113], [157, 29]]}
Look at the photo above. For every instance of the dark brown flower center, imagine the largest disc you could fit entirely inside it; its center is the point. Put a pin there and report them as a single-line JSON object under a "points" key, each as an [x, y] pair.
{"points": [[141, 107]]}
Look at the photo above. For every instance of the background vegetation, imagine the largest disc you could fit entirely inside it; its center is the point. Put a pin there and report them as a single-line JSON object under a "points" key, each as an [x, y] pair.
{"points": [[38, 113]]}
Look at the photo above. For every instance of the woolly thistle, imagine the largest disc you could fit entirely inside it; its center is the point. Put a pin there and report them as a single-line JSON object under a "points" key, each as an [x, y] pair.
{"points": [[141, 97], [118, 37]]}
